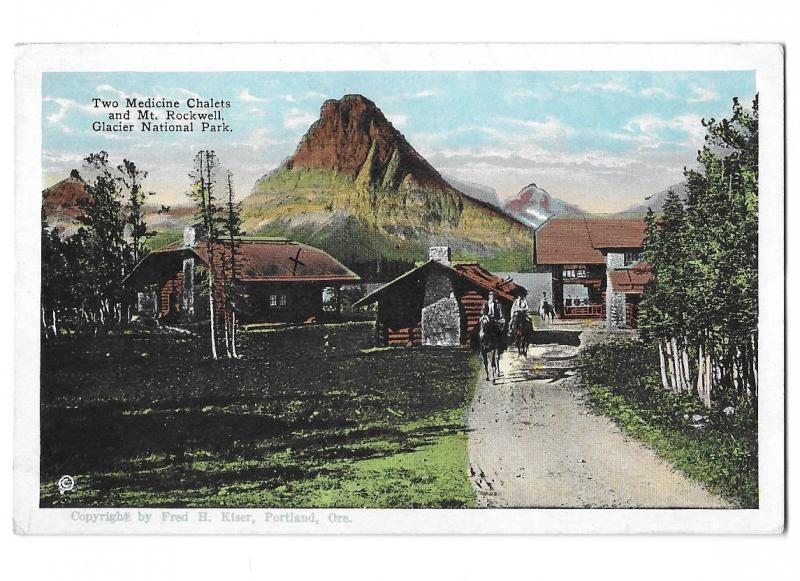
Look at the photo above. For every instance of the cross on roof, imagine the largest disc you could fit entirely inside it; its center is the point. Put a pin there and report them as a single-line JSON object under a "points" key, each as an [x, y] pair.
{"points": [[297, 262]]}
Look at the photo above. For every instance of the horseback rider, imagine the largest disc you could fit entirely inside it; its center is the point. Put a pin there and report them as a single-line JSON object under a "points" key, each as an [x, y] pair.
{"points": [[545, 308], [494, 310], [520, 304]]}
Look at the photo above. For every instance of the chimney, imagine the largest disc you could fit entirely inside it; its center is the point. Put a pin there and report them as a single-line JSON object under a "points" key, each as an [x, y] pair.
{"points": [[440, 254], [189, 236]]}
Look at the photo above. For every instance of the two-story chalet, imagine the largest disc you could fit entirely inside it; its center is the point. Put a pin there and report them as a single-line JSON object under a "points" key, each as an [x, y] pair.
{"points": [[595, 264]]}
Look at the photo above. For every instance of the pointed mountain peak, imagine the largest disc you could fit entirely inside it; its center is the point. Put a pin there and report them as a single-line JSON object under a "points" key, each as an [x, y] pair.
{"points": [[534, 205], [354, 138]]}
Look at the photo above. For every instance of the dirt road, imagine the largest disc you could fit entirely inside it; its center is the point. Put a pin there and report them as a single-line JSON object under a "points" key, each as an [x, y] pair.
{"points": [[534, 443]]}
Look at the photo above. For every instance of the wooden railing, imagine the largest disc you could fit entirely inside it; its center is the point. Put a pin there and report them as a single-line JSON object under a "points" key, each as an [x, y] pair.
{"points": [[591, 311]]}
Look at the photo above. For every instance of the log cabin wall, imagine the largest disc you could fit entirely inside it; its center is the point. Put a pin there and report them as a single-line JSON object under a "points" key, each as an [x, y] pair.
{"points": [[472, 303], [171, 290], [399, 317]]}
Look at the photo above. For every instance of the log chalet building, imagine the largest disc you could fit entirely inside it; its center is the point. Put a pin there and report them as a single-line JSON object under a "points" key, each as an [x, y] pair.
{"points": [[437, 303], [280, 280], [596, 266]]}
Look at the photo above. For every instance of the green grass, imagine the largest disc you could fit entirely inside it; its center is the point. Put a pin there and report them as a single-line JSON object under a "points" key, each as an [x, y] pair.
{"points": [[164, 238], [311, 417], [722, 455]]}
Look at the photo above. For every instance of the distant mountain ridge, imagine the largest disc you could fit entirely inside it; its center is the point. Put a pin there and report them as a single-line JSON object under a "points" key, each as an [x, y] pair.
{"points": [[62, 199], [534, 206], [656, 200], [475, 191], [358, 189]]}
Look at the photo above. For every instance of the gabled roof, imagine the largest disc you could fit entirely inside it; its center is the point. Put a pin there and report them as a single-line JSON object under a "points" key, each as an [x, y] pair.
{"points": [[473, 273], [581, 239], [273, 260], [502, 287], [632, 280]]}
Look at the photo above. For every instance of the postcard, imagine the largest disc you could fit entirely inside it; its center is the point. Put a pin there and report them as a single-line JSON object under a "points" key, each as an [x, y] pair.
{"points": [[347, 288]]}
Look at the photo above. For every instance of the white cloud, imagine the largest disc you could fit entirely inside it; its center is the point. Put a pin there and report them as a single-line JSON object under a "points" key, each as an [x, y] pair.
{"points": [[655, 92], [188, 93], [304, 97], [110, 89], [425, 93], [648, 130], [260, 139], [702, 95], [296, 118], [246, 96], [529, 94], [605, 87], [58, 118], [549, 129], [397, 119]]}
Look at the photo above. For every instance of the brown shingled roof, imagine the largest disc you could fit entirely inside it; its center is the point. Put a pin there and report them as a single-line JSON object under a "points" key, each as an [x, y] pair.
{"points": [[504, 289], [580, 239], [271, 260], [631, 280]]}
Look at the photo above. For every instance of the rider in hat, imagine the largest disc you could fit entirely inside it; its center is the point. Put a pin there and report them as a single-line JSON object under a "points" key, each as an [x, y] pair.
{"points": [[494, 310], [520, 304]]}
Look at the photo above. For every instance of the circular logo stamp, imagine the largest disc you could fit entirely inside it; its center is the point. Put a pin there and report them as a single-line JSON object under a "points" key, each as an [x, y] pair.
{"points": [[65, 483]]}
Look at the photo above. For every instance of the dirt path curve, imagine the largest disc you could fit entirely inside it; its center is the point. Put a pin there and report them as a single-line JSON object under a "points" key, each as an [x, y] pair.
{"points": [[534, 443]]}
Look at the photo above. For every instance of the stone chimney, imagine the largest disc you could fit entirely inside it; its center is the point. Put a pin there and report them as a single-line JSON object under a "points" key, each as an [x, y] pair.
{"points": [[440, 254], [189, 236], [194, 234]]}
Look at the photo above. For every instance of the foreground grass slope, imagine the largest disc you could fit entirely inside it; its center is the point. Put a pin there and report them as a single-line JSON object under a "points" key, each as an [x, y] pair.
{"points": [[711, 447], [310, 417]]}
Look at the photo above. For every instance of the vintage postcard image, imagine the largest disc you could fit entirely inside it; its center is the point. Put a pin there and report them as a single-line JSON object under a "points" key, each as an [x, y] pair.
{"points": [[312, 288]]}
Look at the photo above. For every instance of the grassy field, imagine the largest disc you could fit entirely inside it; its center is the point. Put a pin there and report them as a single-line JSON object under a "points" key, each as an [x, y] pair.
{"points": [[310, 417]]}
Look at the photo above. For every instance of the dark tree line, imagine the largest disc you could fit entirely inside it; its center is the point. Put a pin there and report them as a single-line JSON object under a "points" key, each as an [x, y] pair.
{"points": [[702, 308], [82, 274]]}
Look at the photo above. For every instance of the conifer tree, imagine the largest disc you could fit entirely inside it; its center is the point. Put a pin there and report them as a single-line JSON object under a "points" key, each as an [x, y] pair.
{"points": [[702, 306]]}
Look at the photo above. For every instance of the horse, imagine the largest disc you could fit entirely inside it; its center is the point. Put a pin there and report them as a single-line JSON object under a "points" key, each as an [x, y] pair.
{"points": [[490, 339], [546, 311], [521, 332]]}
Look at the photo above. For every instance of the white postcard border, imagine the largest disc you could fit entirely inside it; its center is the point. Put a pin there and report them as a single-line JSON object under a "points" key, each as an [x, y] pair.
{"points": [[765, 59]]}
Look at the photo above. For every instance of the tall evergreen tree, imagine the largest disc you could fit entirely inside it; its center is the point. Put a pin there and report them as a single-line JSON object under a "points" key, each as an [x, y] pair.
{"points": [[232, 227], [203, 192], [131, 178], [108, 254], [703, 303]]}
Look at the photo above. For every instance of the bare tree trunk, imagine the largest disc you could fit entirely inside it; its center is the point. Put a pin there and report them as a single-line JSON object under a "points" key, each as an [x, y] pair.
{"points": [[687, 372], [211, 312], [225, 333], [701, 373], [44, 324], [676, 366], [704, 376], [55, 327], [233, 334], [664, 380]]}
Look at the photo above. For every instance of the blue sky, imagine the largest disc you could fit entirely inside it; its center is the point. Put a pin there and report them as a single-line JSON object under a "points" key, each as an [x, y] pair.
{"points": [[598, 139]]}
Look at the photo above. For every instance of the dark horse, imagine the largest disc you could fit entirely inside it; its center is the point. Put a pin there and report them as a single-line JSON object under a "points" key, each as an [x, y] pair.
{"points": [[491, 344], [521, 332], [546, 311]]}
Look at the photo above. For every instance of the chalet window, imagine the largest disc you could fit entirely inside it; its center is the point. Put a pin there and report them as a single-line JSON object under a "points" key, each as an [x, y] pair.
{"points": [[633, 257], [574, 272], [277, 300]]}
